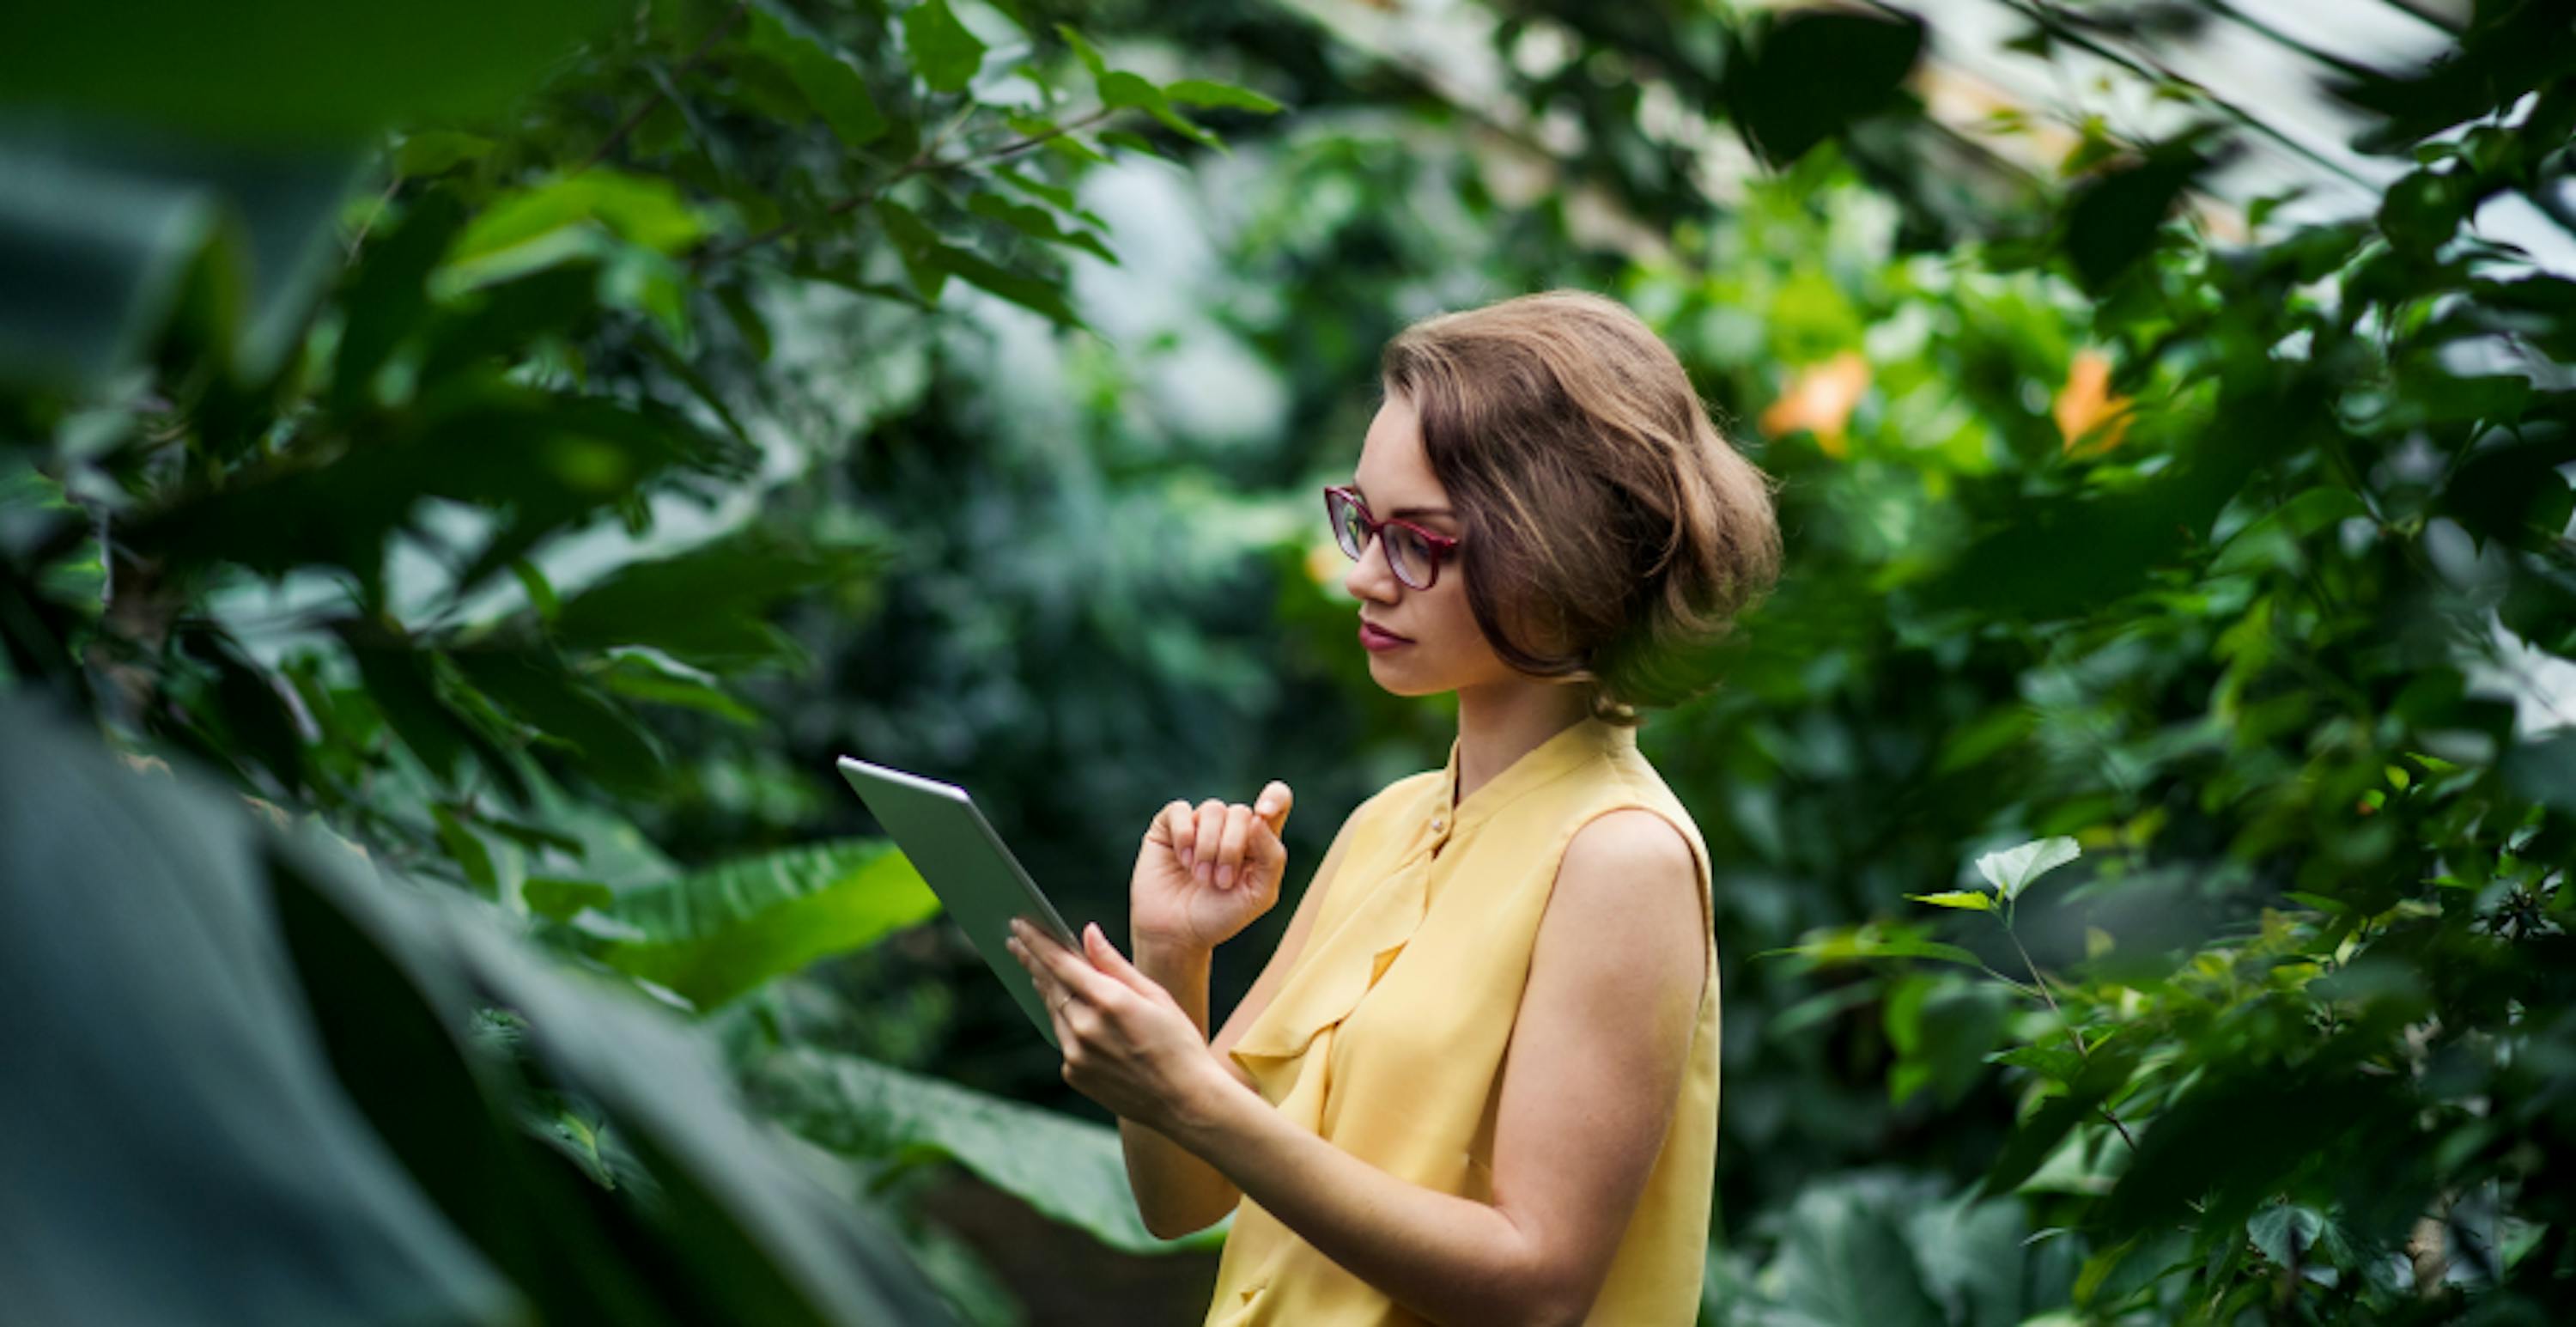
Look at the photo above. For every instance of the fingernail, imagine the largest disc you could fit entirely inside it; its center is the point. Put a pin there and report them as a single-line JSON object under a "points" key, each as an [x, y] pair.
{"points": [[1205, 871], [1225, 875]]}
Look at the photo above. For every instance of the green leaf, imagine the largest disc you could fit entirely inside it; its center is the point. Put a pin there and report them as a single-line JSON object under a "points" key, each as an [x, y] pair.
{"points": [[1833, 1230], [916, 244], [1201, 92], [290, 71], [1033, 293], [1089, 54], [552, 896], [2056, 1063], [1131, 141], [466, 850], [183, 1086], [642, 210], [389, 295], [1062, 198], [429, 152], [931, 260], [649, 675], [1124, 90], [1815, 71], [2290, 1234], [2269, 540], [2543, 770], [828, 78], [731, 1222], [104, 240], [2102, 1076], [717, 934], [540, 691], [2011, 870], [940, 48], [1071, 1170], [398, 679], [1865, 942], [2113, 220], [1958, 898], [1036, 223], [708, 607], [541, 592]]}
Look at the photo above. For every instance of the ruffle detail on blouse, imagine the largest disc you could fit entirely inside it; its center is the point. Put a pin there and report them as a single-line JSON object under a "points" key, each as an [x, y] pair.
{"points": [[1331, 977]]}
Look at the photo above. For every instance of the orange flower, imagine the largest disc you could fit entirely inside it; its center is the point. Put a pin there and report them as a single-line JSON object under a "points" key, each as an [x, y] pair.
{"points": [[2087, 404], [1820, 399]]}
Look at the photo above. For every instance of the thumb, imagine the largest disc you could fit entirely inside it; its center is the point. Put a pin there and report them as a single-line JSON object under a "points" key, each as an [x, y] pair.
{"points": [[1273, 804]]}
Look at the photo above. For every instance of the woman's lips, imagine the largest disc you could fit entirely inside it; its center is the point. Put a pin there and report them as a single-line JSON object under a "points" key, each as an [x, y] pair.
{"points": [[1374, 639]]}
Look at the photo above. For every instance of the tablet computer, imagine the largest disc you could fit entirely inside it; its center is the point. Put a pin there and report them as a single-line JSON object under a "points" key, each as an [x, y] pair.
{"points": [[977, 880]]}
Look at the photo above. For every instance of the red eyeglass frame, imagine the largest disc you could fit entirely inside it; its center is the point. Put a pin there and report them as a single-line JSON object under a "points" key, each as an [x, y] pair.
{"points": [[1441, 545]]}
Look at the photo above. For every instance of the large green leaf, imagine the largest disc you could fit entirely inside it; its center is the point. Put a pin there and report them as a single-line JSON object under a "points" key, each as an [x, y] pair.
{"points": [[302, 71], [717, 934], [758, 1240], [1814, 72], [197, 1162], [264, 1086], [1844, 1259], [100, 235], [1072, 1170]]}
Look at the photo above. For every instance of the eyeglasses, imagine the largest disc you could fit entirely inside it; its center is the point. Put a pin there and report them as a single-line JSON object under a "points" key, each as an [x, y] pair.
{"points": [[1414, 553]]}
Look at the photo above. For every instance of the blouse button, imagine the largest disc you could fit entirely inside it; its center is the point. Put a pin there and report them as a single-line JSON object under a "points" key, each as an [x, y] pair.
{"points": [[1437, 825]]}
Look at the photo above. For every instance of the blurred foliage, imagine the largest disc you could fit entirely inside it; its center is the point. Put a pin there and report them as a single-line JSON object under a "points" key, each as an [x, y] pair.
{"points": [[535, 470]]}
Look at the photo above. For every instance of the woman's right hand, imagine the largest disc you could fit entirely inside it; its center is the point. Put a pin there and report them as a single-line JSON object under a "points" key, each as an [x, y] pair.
{"points": [[1207, 871]]}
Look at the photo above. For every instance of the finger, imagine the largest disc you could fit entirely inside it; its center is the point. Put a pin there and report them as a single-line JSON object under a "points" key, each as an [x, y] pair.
{"points": [[1267, 858], [1172, 826], [1211, 832], [1073, 972], [1049, 994], [1229, 857], [1273, 805]]}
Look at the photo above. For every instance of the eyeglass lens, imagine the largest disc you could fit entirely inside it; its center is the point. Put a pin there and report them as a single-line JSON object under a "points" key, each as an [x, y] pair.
{"points": [[1405, 549]]}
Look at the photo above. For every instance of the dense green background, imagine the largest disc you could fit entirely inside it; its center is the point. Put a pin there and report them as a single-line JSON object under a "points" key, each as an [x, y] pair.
{"points": [[464, 472]]}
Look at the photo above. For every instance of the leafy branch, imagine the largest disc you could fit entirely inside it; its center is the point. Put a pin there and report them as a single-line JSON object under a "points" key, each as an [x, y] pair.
{"points": [[924, 162], [2010, 871], [617, 135]]}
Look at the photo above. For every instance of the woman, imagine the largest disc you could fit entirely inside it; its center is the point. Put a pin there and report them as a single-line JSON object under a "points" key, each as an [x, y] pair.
{"points": [[1477, 1083]]}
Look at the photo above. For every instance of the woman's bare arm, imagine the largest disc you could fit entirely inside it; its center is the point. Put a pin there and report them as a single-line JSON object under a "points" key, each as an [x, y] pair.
{"points": [[1176, 1192], [1595, 1065]]}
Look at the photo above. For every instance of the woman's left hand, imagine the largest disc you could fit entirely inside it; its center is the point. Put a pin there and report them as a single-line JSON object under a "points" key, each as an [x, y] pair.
{"points": [[1127, 1044]]}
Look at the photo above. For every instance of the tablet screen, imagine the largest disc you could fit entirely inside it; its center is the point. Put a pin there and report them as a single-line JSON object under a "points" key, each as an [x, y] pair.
{"points": [[978, 881]]}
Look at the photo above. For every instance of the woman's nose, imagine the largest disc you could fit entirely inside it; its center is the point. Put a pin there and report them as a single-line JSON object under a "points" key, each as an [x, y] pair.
{"points": [[1372, 577]]}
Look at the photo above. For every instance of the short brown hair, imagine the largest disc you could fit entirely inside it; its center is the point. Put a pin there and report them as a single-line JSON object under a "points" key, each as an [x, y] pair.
{"points": [[1612, 533]]}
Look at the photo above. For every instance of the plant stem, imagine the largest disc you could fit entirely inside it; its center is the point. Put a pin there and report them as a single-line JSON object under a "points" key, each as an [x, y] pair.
{"points": [[2081, 1052]]}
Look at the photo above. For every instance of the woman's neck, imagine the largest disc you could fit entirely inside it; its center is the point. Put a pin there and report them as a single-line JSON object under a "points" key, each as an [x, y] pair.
{"points": [[1498, 725]]}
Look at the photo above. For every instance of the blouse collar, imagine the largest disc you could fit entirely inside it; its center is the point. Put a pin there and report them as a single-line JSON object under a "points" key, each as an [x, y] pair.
{"points": [[1564, 751]]}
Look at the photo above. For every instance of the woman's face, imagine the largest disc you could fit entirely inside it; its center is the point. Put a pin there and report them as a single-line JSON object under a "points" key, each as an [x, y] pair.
{"points": [[1446, 650]]}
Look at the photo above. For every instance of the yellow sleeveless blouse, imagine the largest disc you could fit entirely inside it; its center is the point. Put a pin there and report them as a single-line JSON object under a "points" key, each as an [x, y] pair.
{"points": [[1388, 1036]]}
